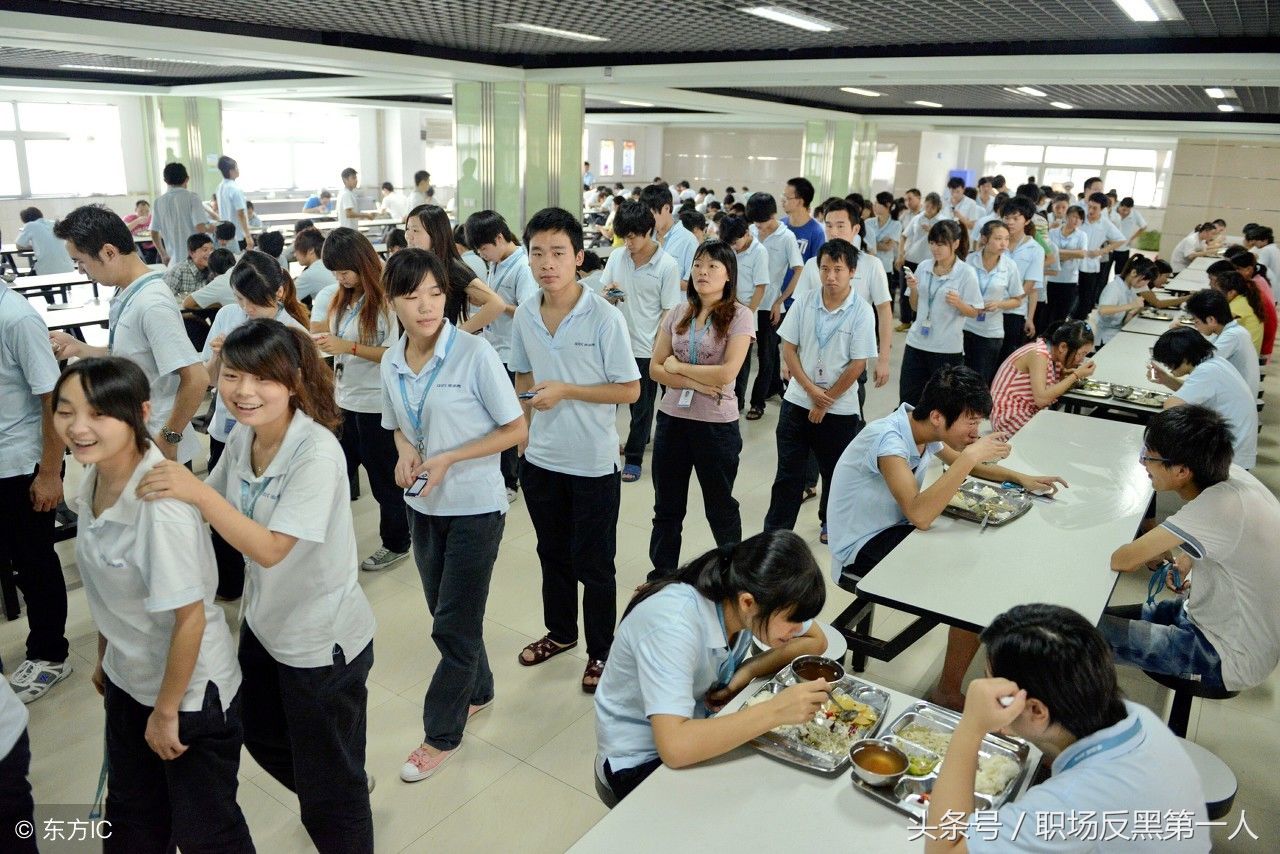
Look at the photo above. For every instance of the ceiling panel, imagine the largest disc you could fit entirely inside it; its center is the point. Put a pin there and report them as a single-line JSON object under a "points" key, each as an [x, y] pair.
{"points": [[156, 71]]}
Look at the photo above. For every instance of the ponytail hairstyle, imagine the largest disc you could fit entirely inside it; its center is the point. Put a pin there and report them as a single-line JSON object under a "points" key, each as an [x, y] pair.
{"points": [[727, 306], [988, 228], [348, 249], [948, 231], [775, 567], [406, 270], [1076, 334], [1224, 276], [258, 278], [1142, 267], [115, 387], [1244, 260], [272, 351]]}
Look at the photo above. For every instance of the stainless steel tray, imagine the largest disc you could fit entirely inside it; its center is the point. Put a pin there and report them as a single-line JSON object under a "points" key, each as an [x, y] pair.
{"points": [[789, 748], [1140, 396], [1091, 388], [1009, 503], [904, 796], [1153, 314]]}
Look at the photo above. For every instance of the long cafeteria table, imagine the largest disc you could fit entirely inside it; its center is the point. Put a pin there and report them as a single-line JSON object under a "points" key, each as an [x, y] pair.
{"points": [[73, 318], [1123, 361], [50, 283]]}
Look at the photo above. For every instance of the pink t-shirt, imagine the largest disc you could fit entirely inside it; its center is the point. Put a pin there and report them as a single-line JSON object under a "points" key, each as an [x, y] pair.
{"points": [[711, 347]]}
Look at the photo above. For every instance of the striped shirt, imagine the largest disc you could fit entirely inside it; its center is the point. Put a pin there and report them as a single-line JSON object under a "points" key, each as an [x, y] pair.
{"points": [[1011, 390]]}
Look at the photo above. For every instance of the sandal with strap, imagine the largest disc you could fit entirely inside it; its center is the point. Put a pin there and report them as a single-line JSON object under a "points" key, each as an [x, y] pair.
{"points": [[630, 473], [543, 649], [754, 414], [595, 669]]}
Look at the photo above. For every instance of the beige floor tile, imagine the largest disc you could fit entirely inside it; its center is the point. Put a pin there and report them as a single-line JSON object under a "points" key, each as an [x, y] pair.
{"points": [[570, 756]]}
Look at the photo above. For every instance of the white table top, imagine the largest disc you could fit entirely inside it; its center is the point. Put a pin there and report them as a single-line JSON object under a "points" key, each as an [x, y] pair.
{"points": [[747, 801], [88, 314], [1146, 326], [1124, 360], [49, 280], [294, 216], [1188, 280], [1059, 552], [1203, 263]]}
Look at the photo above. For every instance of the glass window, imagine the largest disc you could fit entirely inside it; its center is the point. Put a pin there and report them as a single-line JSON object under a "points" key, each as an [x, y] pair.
{"points": [[1146, 193], [6, 116], [884, 168], [291, 150], [1074, 155], [1015, 153], [1120, 180], [9, 183], [1143, 158]]}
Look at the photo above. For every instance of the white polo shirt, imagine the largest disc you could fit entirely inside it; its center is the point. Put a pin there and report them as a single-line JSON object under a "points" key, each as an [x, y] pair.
{"points": [[146, 327], [312, 280], [590, 347], [1215, 383], [1235, 345], [651, 289], [1134, 767], [826, 342], [1128, 225], [784, 254], [230, 201], [945, 324], [1068, 268], [1028, 256], [217, 292], [861, 504], [348, 199], [470, 398], [49, 251], [140, 561], [513, 280], [966, 207], [477, 265], [753, 271], [891, 230], [228, 318], [358, 383], [27, 370], [917, 236], [869, 280], [320, 305], [1269, 257], [310, 601], [1118, 293], [680, 244], [1099, 232], [999, 283]]}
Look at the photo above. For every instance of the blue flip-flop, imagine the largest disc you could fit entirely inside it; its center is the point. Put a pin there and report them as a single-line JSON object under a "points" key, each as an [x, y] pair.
{"points": [[630, 473]]}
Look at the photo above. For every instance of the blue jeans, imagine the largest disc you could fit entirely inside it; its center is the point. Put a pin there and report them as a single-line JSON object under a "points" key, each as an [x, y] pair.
{"points": [[1161, 638]]}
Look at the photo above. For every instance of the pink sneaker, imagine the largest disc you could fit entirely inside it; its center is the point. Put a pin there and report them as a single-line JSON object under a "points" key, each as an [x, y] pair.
{"points": [[420, 765]]}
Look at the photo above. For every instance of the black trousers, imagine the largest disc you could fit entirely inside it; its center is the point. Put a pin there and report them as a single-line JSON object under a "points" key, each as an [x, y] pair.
{"points": [[744, 374], [767, 354], [1090, 286], [16, 803], [306, 727], [26, 545], [982, 354], [641, 417], [1015, 335], [918, 366], [1119, 257], [510, 460], [905, 312], [366, 442], [190, 801], [624, 782], [576, 520], [230, 561], [873, 551], [681, 448], [797, 438], [1062, 301]]}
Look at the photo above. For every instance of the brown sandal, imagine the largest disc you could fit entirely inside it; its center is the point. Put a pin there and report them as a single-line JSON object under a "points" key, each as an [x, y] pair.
{"points": [[595, 669], [543, 649], [754, 414]]}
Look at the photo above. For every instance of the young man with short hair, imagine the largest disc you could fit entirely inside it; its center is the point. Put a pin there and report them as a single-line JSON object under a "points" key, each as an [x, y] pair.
{"points": [[349, 213], [318, 204], [421, 186], [569, 348], [649, 280], [963, 209], [177, 214], [37, 236], [224, 237], [232, 206], [1213, 319], [671, 235], [193, 273], [797, 199], [785, 264], [1221, 629], [394, 205], [145, 326], [1103, 238], [1052, 682], [315, 276]]}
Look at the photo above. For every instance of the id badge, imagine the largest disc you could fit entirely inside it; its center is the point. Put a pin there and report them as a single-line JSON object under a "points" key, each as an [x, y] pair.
{"points": [[925, 329], [686, 398], [820, 376], [982, 315]]}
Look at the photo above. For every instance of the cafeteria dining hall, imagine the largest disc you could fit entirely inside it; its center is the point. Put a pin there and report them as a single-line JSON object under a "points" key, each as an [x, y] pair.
{"points": [[666, 428]]}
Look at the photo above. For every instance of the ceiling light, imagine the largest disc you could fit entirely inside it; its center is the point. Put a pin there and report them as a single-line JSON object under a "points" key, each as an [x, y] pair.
{"points": [[176, 61], [854, 90], [78, 67], [538, 29], [634, 103], [926, 103], [1061, 105], [799, 20], [1227, 108], [1215, 92], [1150, 10], [1032, 91]]}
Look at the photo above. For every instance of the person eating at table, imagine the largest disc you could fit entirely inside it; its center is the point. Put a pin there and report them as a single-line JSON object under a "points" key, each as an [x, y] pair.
{"points": [[878, 495], [1051, 680], [1126, 294], [1039, 373], [680, 656], [1211, 314]]}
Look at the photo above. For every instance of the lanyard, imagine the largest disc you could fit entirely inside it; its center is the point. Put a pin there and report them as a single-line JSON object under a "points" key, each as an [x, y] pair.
{"points": [[933, 294], [834, 318], [737, 651], [250, 493], [695, 338], [1105, 744], [502, 272], [415, 412], [352, 314], [985, 275], [116, 311]]}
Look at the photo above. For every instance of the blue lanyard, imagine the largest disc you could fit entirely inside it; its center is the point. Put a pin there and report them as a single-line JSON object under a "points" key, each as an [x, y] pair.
{"points": [[502, 272], [415, 412], [737, 651], [984, 276], [353, 312], [695, 338], [1158, 578], [116, 311], [819, 316], [250, 493], [933, 294], [1105, 744]]}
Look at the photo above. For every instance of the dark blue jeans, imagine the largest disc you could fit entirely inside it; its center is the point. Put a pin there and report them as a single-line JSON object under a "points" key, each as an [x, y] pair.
{"points": [[797, 439], [455, 556]]}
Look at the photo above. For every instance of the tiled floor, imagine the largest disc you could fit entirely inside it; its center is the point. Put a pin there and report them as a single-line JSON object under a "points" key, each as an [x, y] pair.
{"points": [[522, 781]]}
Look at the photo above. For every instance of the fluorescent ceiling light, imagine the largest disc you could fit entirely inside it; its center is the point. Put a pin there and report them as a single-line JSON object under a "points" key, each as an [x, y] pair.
{"points": [[1032, 91], [854, 90], [538, 29], [634, 103], [78, 67], [799, 20], [1227, 108], [1061, 105], [1150, 10], [176, 61], [927, 103], [1215, 92]]}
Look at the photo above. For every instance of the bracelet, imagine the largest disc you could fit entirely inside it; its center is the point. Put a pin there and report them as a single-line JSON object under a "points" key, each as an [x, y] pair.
{"points": [[354, 344]]}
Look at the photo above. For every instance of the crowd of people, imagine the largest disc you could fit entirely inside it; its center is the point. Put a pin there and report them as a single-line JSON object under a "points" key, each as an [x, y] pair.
{"points": [[475, 364]]}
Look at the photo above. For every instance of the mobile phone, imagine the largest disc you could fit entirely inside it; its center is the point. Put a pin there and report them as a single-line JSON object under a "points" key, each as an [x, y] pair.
{"points": [[527, 395], [419, 484]]}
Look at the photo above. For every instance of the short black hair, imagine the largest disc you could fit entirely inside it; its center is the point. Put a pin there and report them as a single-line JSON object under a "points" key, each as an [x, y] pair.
{"points": [[555, 219], [348, 173], [1126, 202], [1163, 267], [933, 199], [420, 176], [1100, 199], [804, 190], [248, 204], [484, 227], [1254, 231], [761, 207], [1193, 436], [225, 165], [459, 235], [714, 204], [271, 242], [308, 240], [115, 387], [1221, 223], [388, 186], [985, 179], [224, 231], [952, 391], [175, 174], [955, 182], [590, 262], [221, 260], [656, 197], [633, 218], [303, 225], [325, 194], [396, 239], [1061, 659], [838, 204], [1209, 304], [91, 227], [195, 241], [1182, 345], [733, 229], [693, 221], [1018, 204], [839, 249], [30, 214]]}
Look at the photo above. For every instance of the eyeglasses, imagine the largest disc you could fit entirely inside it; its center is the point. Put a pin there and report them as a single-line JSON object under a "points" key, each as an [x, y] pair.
{"points": [[1144, 457]]}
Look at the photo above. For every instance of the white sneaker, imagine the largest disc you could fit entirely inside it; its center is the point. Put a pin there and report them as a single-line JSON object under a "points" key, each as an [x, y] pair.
{"points": [[513, 495], [382, 559], [33, 679]]}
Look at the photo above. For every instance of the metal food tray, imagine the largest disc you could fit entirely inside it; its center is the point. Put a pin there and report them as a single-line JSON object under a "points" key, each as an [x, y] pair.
{"points": [[1152, 314], [790, 749], [1091, 388], [1141, 396], [1018, 500], [898, 796]]}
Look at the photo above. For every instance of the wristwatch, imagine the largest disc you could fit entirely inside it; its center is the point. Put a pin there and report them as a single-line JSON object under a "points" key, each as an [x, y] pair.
{"points": [[173, 437]]}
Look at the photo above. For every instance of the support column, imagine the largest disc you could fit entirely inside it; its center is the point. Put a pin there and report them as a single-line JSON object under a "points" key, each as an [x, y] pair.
{"points": [[189, 131], [837, 156]]}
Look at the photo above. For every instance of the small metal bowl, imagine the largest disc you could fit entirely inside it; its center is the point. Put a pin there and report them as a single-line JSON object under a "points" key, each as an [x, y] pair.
{"points": [[1121, 391], [810, 668], [873, 778]]}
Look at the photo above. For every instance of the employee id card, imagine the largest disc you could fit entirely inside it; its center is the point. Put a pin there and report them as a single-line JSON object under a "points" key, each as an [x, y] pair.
{"points": [[686, 398]]}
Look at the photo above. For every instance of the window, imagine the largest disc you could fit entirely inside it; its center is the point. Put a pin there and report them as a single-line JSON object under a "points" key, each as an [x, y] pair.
{"points": [[297, 149], [1138, 172], [58, 149], [884, 169]]}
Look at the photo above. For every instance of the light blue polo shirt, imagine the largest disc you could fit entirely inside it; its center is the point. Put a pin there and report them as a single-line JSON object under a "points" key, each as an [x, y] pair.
{"points": [[1029, 256], [945, 324], [651, 289], [1068, 268], [230, 202], [27, 370], [1134, 767], [753, 271], [312, 280], [680, 244], [591, 347], [512, 280], [1117, 293], [1000, 283], [784, 253], [891, 230], [1235, 345], [1098, 233], [1215, 383], [978, 224], [49, 251], [470, 399], [861, 504], [826, 342], [217, 292]]}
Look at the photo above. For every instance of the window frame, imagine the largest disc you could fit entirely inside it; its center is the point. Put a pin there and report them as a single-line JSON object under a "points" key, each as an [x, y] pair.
{"points": [[21, 137]]}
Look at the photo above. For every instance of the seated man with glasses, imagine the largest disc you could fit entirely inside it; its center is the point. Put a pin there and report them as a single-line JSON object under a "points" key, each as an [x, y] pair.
{"points": [[1223, 628]]}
